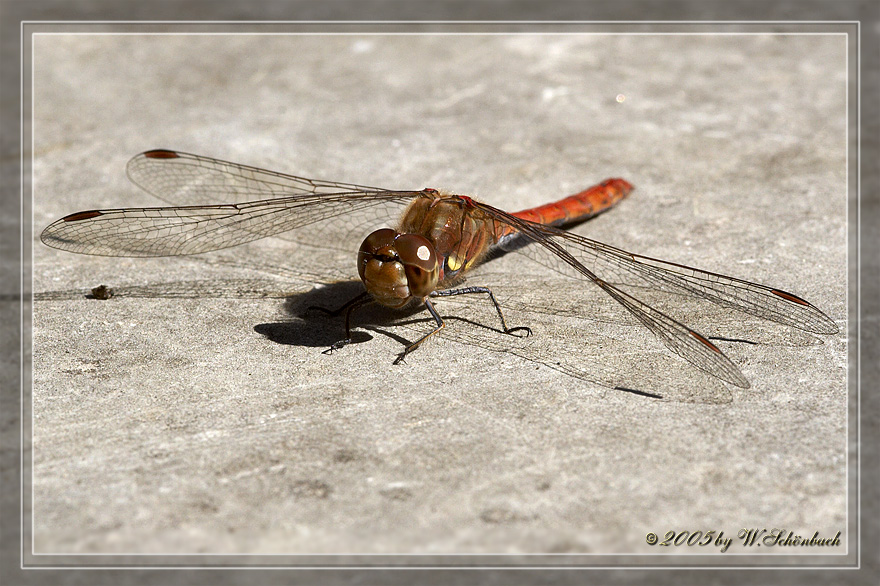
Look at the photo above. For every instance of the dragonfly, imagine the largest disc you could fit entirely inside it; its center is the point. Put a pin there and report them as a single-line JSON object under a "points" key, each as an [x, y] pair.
{"points": [[439, 237]]}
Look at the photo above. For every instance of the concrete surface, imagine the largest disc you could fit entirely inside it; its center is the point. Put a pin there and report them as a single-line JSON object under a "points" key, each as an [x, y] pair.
{"points": [[195, 412]]}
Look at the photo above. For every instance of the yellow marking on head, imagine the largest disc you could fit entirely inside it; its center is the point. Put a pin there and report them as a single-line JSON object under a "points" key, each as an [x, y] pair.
{"points": [[453, 262]]}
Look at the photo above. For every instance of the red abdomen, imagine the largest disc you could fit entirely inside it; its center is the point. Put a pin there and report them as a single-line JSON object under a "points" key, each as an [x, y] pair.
{"points": [[580, 206]]}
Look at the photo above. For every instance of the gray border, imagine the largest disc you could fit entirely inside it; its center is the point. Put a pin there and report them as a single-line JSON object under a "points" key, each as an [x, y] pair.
{"points": [[869, 52], [495, 560]]}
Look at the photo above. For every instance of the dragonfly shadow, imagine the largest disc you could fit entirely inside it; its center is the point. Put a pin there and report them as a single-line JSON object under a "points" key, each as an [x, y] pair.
{"points": [[474, 323], [469, 320], [317, 317], [304, 333], [191, 289], [639, 393]]}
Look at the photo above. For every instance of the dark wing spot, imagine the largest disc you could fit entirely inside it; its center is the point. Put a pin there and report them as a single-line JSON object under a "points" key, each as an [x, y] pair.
{"points": [[704, 341], [161, 154], [789, 297], [82, 216]]}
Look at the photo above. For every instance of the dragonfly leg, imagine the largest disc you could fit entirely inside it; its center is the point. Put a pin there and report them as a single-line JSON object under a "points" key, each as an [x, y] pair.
{"points": [[357, 301], [417, 343], [470, 290], [348, 308]]}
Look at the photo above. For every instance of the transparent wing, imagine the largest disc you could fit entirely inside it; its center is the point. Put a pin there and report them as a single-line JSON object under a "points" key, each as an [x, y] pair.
{"points": [[187, 179], [628, 269], [263, 204], [613, 269]]}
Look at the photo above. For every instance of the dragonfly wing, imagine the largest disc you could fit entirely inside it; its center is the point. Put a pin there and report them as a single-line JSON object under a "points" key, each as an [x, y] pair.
{"points": [[753, 298], [634, 270], [187, 179], [679, 338], [341, 219], [227, 204], [611, 269]]}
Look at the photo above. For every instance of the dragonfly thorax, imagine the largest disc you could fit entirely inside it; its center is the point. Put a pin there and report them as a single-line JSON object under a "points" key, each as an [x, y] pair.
{"points": [[397, 267]]}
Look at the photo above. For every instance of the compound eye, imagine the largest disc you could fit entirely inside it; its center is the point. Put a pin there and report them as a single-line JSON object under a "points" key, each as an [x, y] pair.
{"points": [[378, 240], [377, 251], [416, 251], [420, 262]]}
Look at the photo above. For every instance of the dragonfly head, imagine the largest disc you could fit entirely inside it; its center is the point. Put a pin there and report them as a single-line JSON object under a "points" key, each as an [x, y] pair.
{"points": [[397, 267]]}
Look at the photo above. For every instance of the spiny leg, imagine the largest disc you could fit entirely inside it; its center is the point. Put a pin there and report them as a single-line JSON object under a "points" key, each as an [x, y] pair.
{"points": [[469, 290], [359, 300], [348, 308], [441, 324], [417, 343]]}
